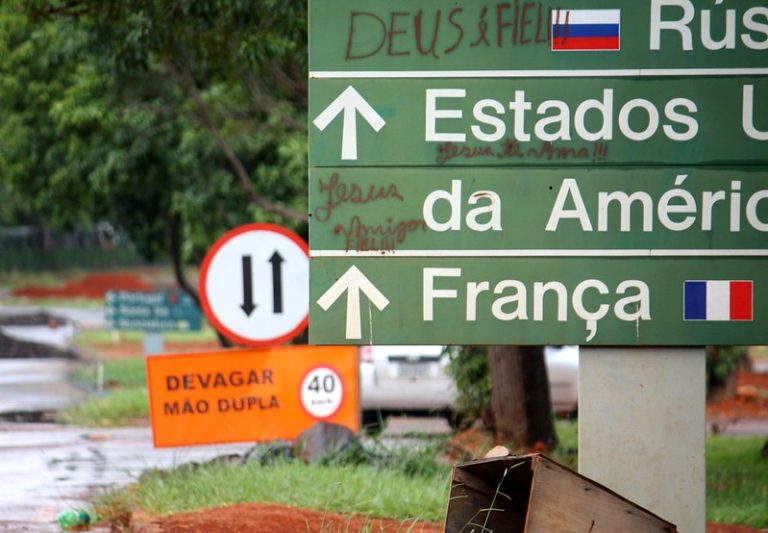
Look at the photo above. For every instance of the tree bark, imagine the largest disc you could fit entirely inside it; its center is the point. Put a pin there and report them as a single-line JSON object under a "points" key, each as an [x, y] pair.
{"points": [[178, 270], [522, 409]]}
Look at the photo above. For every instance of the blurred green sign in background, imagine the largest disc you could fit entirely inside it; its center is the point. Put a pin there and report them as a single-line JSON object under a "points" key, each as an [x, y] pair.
{"points": [[151, 311]]}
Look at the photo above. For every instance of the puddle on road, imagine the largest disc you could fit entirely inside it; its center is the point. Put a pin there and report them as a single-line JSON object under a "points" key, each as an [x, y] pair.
{"points": [[46, 469]]}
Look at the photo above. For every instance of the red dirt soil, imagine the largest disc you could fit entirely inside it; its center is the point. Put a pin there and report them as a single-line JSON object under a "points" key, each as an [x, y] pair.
{"points": [[91, 286], [751, 400], [268, 518], [725, 528]]}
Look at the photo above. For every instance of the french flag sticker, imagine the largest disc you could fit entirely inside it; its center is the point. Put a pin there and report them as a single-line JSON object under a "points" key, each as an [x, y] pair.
{"points": [[717, 300], [586, 29]]}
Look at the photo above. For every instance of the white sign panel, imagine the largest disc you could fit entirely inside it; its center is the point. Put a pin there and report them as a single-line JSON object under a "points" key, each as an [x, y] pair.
{"points": [[254, 285]]}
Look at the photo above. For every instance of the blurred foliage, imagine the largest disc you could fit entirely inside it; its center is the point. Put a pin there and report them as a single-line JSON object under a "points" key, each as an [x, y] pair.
{"points": [[722, 362], [468, 366], [117, 111], [469, 369]]}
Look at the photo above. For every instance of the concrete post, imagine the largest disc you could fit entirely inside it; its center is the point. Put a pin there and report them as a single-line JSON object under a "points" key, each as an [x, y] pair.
{"points": [[642, 428]]}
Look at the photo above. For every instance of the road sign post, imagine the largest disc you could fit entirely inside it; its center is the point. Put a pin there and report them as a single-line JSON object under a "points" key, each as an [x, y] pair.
{"points": [[531, 174]]}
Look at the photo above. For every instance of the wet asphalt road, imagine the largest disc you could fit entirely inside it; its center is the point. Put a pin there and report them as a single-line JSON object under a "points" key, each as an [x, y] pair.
{"points": [[36, 385], [42, 385], [46, 469]]}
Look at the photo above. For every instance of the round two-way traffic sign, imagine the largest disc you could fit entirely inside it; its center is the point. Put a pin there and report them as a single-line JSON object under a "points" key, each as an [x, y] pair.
{"points": [[254, 285]]}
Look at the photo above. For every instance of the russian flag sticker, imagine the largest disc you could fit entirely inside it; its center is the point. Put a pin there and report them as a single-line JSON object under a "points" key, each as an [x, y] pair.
{"points": [[586, 29], [717, 300]]}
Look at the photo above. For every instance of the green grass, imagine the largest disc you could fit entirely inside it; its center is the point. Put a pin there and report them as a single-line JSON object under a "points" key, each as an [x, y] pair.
{"points": [[160, 274], [566, 452], [403, 485], [413, 486], [108, 336], [361, 489], [16, 278], [349, 489], [117, 373], [117, 408], [737, 481], [52, 303], [737, 475], [124, 402], [127, 372]]}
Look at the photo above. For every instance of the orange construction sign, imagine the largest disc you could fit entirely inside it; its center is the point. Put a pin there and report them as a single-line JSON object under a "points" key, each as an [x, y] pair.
{"points": [[251, 395]]}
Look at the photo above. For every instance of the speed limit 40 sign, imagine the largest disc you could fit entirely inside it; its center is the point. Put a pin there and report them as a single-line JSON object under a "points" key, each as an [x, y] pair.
{"points": [[254, 285], [322, 392]]}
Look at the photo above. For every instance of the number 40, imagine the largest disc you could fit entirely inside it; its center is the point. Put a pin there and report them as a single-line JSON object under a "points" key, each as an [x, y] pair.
{"points": [[328, 384]]}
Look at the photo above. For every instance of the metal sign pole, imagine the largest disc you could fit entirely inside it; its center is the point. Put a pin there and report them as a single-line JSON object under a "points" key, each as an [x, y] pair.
{"points": [[153, 342], [642, 428]]}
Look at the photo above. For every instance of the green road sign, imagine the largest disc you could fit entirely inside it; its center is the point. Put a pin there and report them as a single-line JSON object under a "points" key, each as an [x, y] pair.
{"points": [[517, 38], [538, 122], [151, 311], [529, 173], [572, 300], [515, 212]]}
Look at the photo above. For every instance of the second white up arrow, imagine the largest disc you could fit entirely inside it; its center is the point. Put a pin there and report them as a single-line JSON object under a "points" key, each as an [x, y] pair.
{"points": [[353, 281]]}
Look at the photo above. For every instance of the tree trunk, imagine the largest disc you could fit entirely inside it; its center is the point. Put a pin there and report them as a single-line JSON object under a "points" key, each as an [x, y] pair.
{"points": [[178, 269], [522, 409]]}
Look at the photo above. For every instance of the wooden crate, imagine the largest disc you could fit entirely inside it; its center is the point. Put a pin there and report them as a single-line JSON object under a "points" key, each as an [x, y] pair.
{"points": [[534, 494]]}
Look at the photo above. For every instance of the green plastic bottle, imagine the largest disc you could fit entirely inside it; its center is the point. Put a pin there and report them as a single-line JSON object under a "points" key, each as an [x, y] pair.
{"points": [[74, 520]]}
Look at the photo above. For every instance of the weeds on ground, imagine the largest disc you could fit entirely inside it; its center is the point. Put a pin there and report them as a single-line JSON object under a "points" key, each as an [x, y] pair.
{"points": [[566, 453], [125, 402], [407, 526], [111, 374], [737, 481], [119, 408], [100, 337], [114, 507], [407, 483], [393, 487]]}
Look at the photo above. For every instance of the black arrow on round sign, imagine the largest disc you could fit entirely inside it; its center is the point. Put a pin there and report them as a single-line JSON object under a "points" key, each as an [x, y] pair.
{"points": [[277, 282], [248, 305]]}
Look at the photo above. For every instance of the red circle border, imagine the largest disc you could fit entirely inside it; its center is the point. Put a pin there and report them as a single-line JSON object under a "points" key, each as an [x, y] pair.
{"points": [[343, 391]]}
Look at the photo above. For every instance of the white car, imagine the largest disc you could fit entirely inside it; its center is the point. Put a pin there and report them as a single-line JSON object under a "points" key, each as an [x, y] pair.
{"points": [[414, 378], [563, 373], [405, 378]]}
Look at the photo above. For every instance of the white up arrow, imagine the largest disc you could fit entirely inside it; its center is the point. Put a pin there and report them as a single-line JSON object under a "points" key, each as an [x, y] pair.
{"points": [[353, 281], [351, 103]]}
